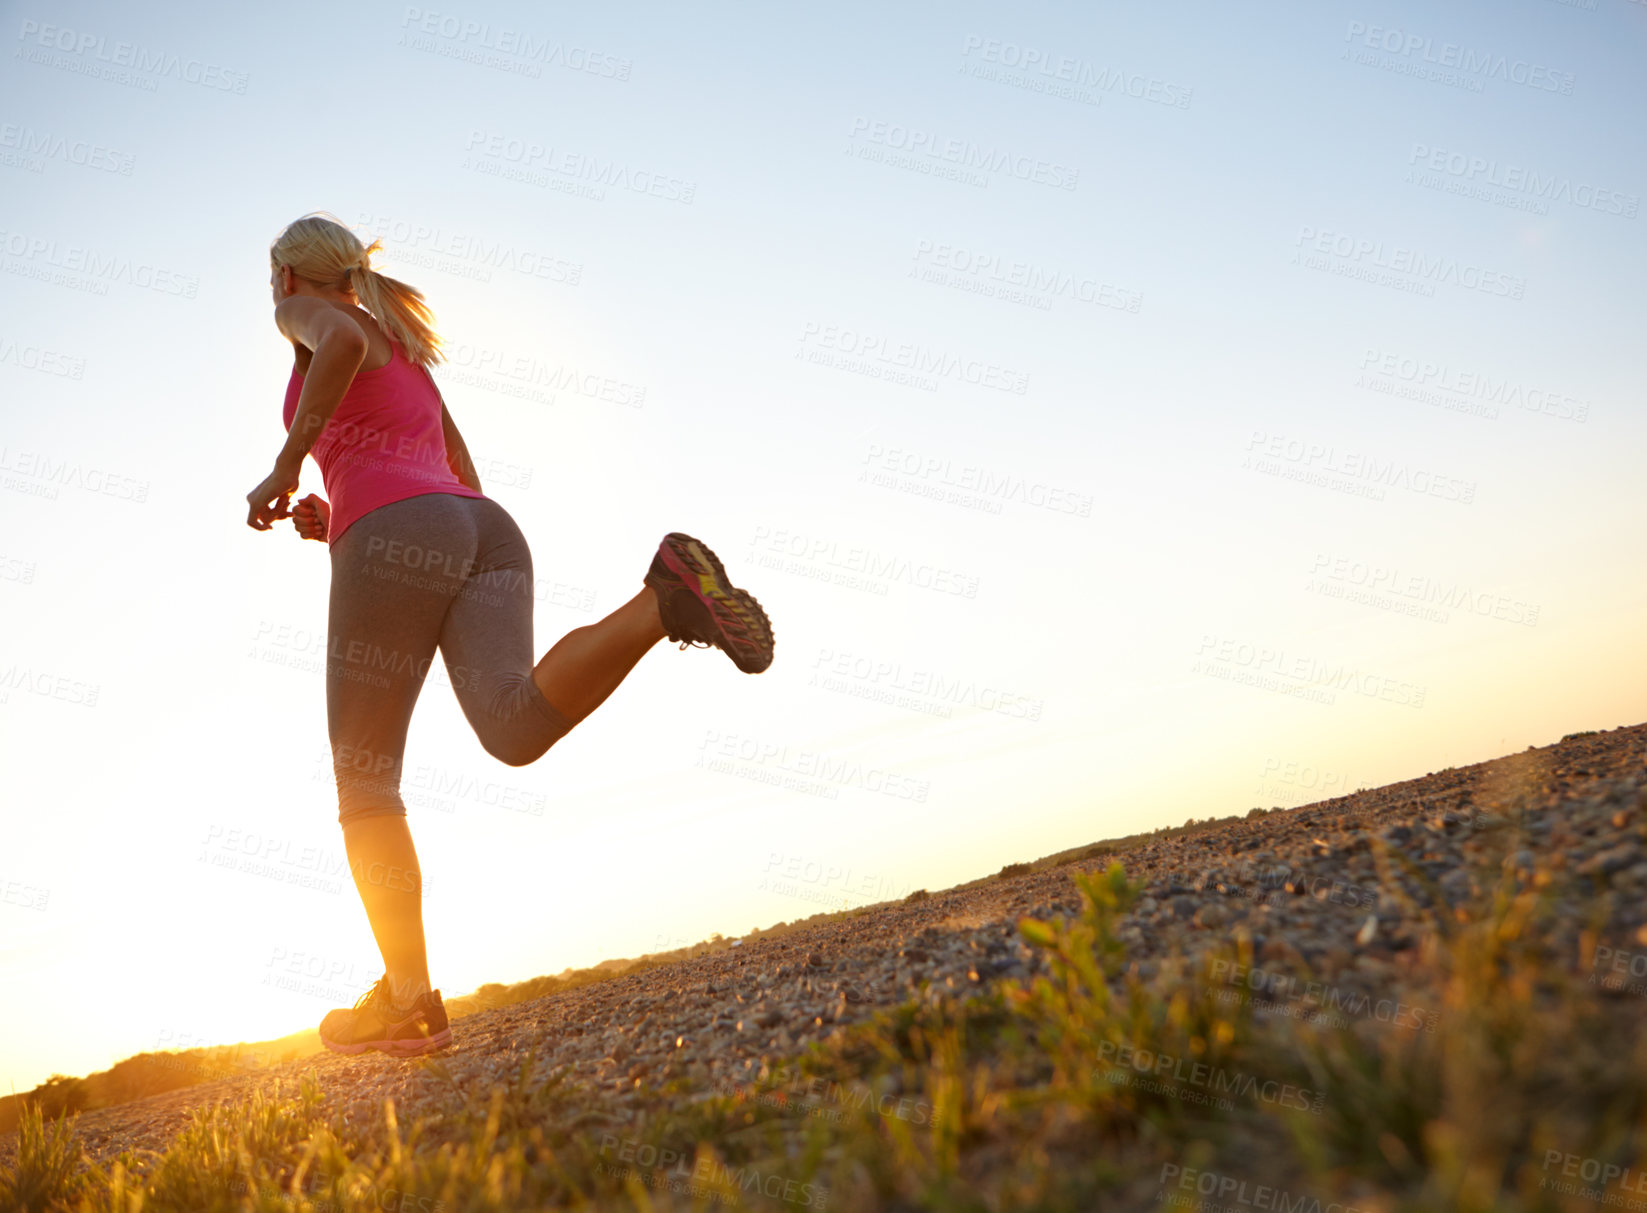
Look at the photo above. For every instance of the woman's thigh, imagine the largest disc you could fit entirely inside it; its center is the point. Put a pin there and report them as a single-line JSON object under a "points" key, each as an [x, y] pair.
{"points": [[486, 642], [395, 575]]}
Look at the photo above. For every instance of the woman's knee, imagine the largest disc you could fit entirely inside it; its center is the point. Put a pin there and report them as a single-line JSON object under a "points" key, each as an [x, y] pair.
{"points": [[354, 805], [515, 749], [522, 724]]}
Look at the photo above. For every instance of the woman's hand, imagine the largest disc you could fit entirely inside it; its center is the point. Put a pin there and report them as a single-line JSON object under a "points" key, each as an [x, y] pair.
{"points": [[311, 517], [272, 498]]}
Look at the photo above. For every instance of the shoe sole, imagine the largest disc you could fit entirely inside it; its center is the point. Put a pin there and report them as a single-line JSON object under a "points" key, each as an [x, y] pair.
{"points": [[701, 571], [395, 1048]]}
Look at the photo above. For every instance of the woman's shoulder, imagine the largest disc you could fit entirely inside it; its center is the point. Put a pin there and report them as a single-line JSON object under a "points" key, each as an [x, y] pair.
{"points": [[381, 347]]}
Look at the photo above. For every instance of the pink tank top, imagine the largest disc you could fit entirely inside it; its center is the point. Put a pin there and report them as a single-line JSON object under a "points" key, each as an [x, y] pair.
{"points": [[384, 444]]}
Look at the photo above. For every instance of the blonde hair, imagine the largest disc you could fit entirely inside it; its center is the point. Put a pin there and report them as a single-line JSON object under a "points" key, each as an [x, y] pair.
{"points": [[325, 252]]}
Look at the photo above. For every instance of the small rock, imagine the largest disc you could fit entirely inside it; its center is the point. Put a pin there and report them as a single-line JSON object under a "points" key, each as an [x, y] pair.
{"points": [[1456, 884], [916, 954], [1211, 917], [1605, 863], [816, 961], [1368, 930]]}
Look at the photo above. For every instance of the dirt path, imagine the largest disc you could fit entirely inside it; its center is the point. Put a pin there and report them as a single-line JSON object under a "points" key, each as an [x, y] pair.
{"points": [[1304, 882]]}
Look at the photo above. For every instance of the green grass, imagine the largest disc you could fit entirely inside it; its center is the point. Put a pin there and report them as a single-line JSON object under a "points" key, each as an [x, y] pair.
{"points": [[1091, 1088]]}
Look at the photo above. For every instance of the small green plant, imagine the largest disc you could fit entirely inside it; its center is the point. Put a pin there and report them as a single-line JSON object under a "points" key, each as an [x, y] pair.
{"points": [[48, 1157], [1479, 1081]]}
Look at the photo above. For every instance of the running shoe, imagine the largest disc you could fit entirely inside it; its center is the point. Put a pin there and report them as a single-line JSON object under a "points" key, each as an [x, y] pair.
{"points": [[699, 605], [375, 1023]]}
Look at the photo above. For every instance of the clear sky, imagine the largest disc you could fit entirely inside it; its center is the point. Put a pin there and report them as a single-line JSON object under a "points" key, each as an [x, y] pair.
{"points": [[1126, 412]]}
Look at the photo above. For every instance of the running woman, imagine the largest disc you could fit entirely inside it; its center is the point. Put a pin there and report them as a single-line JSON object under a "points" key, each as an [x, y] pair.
{"points": [[422, 560]]}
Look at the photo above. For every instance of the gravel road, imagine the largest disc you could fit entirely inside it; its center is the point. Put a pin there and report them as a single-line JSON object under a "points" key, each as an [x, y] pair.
{"points": [[1304, 882]]}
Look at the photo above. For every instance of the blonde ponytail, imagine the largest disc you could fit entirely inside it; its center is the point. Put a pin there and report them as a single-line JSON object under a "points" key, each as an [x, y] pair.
{"points": [[323, 251]]}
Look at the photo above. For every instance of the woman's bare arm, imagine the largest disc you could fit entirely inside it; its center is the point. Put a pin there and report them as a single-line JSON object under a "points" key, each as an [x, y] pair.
{"points": [[340, 346]]}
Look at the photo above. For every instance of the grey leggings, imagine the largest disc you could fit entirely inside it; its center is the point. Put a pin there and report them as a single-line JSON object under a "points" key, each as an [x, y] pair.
{"points": [[431, 571]]}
